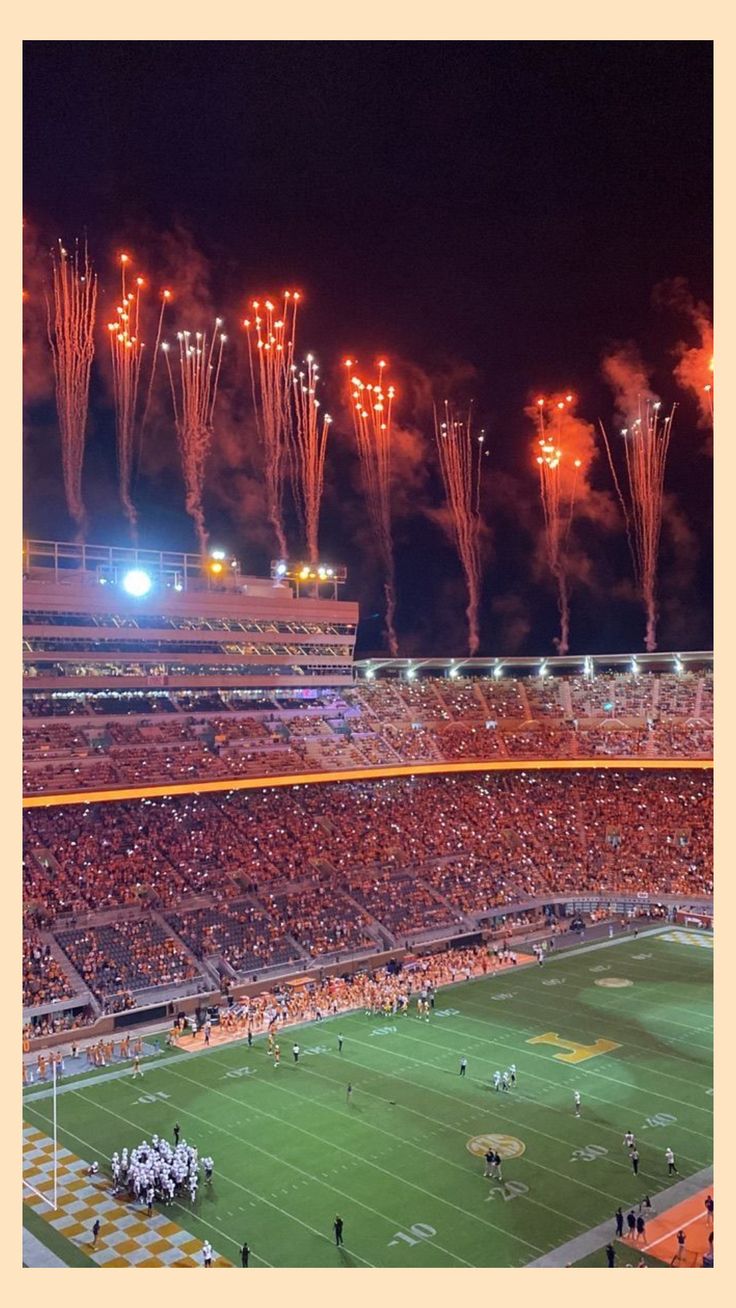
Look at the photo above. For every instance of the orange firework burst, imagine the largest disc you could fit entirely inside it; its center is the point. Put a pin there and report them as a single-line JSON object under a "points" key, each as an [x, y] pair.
{"points": [[70, 325], [646, 442], [271, 335], [557, 488], [460, 458], [371, 405], [309, 445], [198, 376]]}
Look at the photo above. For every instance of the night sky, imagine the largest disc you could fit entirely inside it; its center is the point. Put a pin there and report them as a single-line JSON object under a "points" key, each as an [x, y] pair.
{"points": [[493, 217]]}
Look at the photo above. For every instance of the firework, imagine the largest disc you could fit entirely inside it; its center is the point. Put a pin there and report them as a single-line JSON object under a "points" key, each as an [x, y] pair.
{"points": [[557, 488], [308, 435], [165, 299], [707, 401], [271, 337], [70, 325], [126, 351], [646, 442], [460, 458], [194, 395], [371, 405]]}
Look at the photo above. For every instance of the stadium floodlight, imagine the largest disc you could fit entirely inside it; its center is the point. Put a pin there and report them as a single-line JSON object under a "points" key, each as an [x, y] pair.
{"points": [[281, 569], [217, 554], [543, 669], [137, 583], [411, 672]]}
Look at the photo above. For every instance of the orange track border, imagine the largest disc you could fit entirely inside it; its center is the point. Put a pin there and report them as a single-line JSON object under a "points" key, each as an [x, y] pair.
{"points": [[660, 1239], [359, 774]]}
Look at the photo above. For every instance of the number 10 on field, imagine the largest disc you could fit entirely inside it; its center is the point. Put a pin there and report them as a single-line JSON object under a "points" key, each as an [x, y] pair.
{"points": [[419, 1231]]}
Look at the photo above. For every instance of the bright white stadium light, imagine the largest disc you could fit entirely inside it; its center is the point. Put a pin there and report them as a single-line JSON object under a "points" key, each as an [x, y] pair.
{"points": [[217, 554], [137, 583]]}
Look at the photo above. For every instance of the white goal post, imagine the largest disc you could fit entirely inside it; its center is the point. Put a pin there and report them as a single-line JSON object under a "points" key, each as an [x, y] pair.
{"points": [[55, 1171]]}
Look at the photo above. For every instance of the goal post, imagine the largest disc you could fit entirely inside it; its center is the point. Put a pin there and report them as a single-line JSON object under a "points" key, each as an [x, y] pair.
{"points": [[53, 1200]]}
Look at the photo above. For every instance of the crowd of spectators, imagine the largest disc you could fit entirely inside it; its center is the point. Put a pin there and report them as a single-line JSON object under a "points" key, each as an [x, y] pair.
{"points": [[240, 932], [44, 981], [321, 920], [266, 876], [121, 957], [372, 724]]}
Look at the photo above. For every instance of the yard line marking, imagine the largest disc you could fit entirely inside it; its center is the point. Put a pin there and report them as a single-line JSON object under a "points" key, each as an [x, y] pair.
{"points": [[468, 1109], [231, 1180], [332, 1144], [513, 1121], [259, 1149], [522, 998], [590, 1071], [175, 1204], [406, 1140], [559, 1085]]}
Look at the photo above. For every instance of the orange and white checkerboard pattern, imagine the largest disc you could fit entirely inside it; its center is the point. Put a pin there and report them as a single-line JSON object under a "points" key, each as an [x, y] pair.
{"points": [[128, 1238]]}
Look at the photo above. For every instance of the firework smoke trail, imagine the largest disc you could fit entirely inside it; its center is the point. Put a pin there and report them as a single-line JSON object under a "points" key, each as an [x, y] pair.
{"points": [[271, 338], [646, 442], [309, 445], [694, 369], [460, 462], [371, 407], [126, 350], [70, 326], [558, 510], [198, 380]]}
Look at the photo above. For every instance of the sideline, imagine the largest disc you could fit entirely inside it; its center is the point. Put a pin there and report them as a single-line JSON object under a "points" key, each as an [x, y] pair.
{"points": [[118, 1073], [582, 1245]]}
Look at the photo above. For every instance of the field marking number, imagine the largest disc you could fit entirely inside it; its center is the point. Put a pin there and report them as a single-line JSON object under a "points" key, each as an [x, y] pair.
{"points": [[153, 1097], [419, 1231], [588, 1154], [509, 1190]]}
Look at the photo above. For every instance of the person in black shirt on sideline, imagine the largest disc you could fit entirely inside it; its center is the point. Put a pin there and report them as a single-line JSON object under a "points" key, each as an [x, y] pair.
{"points": [[337, 1228]]}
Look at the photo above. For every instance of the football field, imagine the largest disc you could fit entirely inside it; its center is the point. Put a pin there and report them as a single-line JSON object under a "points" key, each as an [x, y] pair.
{"points": [[627, 1024]]}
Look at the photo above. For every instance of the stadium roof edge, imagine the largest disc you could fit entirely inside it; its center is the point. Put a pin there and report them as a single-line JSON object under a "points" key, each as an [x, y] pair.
{"points": [[550, 663]]}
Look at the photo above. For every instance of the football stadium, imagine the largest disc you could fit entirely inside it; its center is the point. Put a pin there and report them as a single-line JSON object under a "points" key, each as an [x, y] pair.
{"points": [[367, 655], [415, 945]]}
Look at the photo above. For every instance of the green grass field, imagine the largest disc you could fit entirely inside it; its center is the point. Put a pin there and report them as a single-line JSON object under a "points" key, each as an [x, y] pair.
{"points": [[397, 1163]]}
